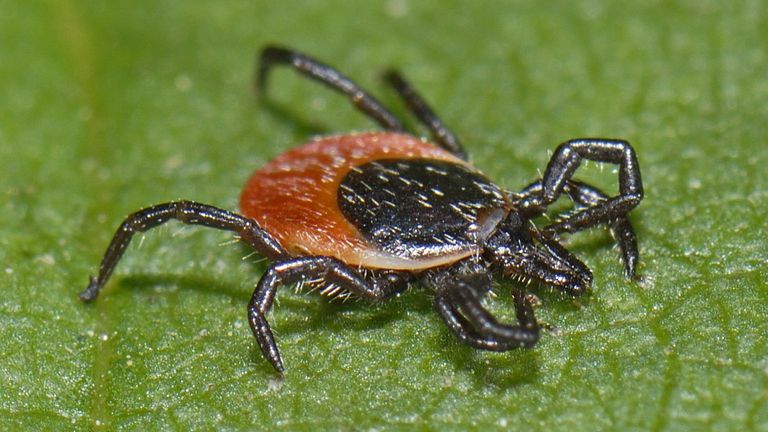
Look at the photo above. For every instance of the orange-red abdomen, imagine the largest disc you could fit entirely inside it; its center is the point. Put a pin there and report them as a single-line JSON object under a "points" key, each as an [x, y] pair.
{"points": [[294, 197]]}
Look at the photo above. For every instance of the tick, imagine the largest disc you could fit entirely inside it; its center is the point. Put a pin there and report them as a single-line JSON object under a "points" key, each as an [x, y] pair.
{"points": [[369, 213]]}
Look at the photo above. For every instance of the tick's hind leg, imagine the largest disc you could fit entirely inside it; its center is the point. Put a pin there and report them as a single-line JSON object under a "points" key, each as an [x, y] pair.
{"points": [[419, 107], [331, 271], [327, 75], [187, 212]]}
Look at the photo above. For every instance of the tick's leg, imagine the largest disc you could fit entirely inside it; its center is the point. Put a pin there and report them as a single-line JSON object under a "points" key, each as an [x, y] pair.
{"points": [[563, 165], [551, 263], [187, 212], [524, 335], [308, 66], [458, 291], [388, 283], [590, 196], [621, 227], [330, 270], [419, 107]]}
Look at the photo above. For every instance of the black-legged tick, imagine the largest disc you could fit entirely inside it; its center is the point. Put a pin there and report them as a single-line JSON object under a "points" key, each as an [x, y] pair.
{"points": [[368, 213]]}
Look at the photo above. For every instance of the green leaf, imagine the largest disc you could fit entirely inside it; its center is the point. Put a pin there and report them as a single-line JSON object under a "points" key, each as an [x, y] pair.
{"points": [[108, 107]]}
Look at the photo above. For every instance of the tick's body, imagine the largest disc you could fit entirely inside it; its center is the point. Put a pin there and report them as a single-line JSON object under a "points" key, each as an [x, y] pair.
{"points": [[377, 200], [368, 213]]}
